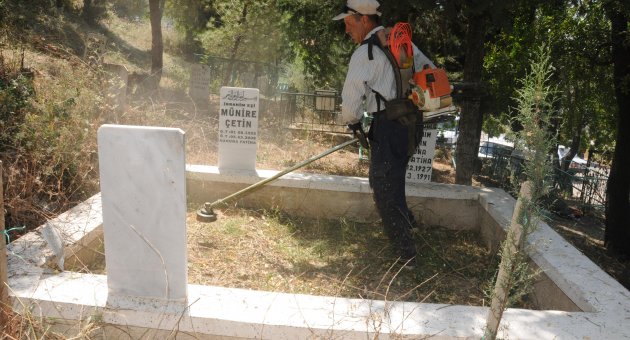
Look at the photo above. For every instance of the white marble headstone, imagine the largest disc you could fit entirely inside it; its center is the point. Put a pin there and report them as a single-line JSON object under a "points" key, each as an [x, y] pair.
{"points": [[238, 128], [420, 165], [143, 187]]}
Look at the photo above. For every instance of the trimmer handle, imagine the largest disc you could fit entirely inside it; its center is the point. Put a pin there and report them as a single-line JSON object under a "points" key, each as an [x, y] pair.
{"points": [[359, 133]]}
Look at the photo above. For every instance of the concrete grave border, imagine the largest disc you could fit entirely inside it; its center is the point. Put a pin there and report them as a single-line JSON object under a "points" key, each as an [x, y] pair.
{"points": [[584, 302]]}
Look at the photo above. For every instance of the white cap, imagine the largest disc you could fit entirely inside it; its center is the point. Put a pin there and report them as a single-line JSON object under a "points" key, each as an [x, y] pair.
{"points": [[363, 7]]}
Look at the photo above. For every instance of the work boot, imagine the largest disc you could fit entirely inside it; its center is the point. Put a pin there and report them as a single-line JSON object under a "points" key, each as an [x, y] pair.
{"points": [[415, 228]]}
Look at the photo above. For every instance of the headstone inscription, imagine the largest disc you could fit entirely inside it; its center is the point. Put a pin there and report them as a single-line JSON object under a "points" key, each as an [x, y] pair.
{"points": [[420, 166], [238, 128]]}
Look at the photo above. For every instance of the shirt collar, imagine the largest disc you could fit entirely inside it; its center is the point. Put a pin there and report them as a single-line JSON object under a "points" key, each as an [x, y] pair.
{"points": [[374, 30]]}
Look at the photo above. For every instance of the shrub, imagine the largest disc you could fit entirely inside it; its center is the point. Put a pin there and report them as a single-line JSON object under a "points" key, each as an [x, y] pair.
{"points": [[46, 140]]}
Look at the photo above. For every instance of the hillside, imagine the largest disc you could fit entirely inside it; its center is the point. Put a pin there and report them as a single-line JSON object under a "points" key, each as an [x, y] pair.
{"points": [[55, 96]]}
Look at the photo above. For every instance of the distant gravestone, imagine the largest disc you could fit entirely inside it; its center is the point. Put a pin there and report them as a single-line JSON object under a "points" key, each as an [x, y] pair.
{"points": [[238, 128], [247, 79], [420, 166], [263, 84], [143, 188], [325, 100], [116, 86], [199, 88]]}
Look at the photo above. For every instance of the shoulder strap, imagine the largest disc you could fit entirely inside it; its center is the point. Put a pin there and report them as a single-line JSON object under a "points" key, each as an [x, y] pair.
{"points": [[373, 40]]}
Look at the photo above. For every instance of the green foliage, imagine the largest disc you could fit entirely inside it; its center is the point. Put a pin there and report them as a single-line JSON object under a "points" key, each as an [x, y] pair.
{"points": [[193, 17], [16, 90], [577, 36], [535, 104], [45, 140], [130, 8], [535, 111], [94, 10], [316, 40]]}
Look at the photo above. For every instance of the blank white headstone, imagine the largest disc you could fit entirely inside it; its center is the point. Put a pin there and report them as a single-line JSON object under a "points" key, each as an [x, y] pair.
{"points": [[142, 171], [238, 128], [420, 166]]}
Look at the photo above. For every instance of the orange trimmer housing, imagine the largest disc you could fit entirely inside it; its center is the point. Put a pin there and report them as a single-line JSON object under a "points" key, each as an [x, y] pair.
{"points": [[435, 80]]}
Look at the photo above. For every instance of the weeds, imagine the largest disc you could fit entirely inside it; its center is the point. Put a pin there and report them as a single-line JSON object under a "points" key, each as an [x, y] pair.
{"points": [[277, 252], [46, 142], [535, 111]]}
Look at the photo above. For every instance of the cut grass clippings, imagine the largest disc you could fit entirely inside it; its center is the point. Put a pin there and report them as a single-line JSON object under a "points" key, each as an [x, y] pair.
{"points": [[270, 251]]}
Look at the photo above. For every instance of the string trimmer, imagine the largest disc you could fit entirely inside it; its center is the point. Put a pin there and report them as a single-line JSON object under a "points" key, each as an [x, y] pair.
{"points": [[206, 214]]}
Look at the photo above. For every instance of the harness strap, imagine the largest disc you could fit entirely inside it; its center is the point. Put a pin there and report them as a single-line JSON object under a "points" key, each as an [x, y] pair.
{"points": [[373, 40]]}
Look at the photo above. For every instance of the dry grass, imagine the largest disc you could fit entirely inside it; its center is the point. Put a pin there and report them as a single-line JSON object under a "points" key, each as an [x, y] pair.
{"points": [[305, 256], [271, 251], [267, 250], [14, 326]]}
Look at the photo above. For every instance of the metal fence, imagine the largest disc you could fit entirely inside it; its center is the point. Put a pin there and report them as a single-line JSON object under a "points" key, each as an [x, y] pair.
{"points": [[583, 185], [319, 111]]}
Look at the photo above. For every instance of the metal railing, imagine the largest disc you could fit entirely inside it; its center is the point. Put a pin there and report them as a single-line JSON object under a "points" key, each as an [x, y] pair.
{"points": [[319, 111], [585, 186]]}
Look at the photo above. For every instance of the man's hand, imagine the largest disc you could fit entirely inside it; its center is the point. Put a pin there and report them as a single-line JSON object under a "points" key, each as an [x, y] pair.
{"points": [[357, 130]]}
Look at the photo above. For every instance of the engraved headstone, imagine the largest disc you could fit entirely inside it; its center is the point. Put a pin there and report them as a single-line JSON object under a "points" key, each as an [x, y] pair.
{"points": [[420, 166], [199, 89], [325, 100], [143, 189], [238, 128]]}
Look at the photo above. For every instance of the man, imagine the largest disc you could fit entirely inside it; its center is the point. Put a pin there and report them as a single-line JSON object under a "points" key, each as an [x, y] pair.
{"points": [[368, 74]]}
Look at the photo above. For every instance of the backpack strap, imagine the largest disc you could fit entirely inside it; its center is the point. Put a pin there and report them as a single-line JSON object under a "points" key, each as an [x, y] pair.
{"points": [[373, 40]]}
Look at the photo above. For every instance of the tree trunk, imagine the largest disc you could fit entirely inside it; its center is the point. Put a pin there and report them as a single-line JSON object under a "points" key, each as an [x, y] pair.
{"points": [[575, 143], [157, 47], [471, 118], [237, 44], [617, 234], [87, 11]]}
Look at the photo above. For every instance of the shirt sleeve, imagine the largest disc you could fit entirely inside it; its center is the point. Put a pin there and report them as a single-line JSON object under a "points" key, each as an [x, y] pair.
{"points": [[354, 87]]}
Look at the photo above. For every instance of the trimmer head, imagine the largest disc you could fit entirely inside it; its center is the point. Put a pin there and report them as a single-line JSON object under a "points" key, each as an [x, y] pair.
{"points": [[204, 215]]}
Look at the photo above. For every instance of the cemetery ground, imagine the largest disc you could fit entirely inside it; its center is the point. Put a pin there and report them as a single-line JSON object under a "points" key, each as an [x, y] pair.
{"points": [[272, 251]]}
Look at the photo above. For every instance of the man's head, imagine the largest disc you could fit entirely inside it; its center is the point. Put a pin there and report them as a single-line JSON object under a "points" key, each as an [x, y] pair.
{"points": [[360, 17]]}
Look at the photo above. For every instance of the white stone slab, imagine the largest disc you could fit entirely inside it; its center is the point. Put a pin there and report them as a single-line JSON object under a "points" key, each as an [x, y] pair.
{"points": [[144, 210], [238, 128], [420, 165], [216, 312]]}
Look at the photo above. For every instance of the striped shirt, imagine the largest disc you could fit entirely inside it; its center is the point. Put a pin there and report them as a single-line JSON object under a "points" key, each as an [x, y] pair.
{"points": [[365, 75]]}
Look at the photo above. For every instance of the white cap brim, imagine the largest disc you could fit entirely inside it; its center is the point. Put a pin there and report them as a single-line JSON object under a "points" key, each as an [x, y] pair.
{"points": [[341, 16]]}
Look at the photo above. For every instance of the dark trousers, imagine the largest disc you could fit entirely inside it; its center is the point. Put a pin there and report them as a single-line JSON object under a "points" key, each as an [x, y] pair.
{"points": [[388, 166]]}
